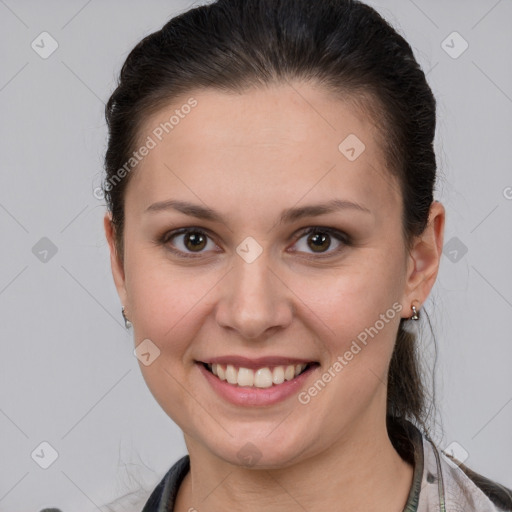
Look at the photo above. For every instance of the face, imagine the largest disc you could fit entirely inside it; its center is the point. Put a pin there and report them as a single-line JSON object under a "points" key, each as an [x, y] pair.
{"points": [[250, 280]]}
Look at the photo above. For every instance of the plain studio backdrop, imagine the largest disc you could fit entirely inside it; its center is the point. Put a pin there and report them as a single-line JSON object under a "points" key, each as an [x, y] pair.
{"points": [[78, 426]]}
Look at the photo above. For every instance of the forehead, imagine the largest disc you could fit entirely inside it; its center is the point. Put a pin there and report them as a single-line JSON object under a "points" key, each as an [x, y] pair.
{"points": [[268, 144]]}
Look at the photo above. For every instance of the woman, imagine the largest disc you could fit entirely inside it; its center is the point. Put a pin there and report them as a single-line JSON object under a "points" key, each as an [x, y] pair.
{"points": [[273, 233]]}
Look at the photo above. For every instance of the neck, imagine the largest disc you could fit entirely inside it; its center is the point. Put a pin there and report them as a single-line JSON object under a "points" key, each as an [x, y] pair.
{"points": [[362, 471]]}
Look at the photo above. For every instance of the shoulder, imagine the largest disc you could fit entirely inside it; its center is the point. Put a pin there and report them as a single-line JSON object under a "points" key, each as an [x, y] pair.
{"points": [[440, 481], [498, 494], [462, 488]]}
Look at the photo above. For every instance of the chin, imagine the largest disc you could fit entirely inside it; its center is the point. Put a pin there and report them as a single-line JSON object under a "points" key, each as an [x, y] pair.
{"points": [[254, 449]]}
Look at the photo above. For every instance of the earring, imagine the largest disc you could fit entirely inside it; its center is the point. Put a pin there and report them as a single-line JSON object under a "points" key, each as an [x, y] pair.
{"points": [[127, 322], [415, 313]]}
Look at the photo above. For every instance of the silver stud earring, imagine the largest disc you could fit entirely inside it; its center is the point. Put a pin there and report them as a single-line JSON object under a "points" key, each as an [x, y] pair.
{"points": [[127, 322], [415, 313]]}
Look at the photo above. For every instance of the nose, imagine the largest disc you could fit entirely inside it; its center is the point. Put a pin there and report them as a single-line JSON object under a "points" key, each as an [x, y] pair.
{"points": [[255, 300]]}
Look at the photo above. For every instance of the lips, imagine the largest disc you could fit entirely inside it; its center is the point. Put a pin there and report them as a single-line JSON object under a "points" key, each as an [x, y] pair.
{"points": [[263, 386]]}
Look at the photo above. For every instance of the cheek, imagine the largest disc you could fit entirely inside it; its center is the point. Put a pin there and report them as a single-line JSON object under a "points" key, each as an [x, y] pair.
{"points": [[355, 317], [350, 299], [167, 306], [168, 303]]}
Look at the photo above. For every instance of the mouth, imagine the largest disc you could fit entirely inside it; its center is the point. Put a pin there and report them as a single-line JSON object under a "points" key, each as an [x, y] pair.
{"points": [[258, 377]]}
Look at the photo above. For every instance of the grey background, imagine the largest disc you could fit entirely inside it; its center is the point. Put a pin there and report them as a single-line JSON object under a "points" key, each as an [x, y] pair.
{"points": [[68, 375]]}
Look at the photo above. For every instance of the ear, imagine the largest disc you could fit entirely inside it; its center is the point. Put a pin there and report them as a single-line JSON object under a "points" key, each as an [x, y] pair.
{"points": [[115, 260], [424, 259]]}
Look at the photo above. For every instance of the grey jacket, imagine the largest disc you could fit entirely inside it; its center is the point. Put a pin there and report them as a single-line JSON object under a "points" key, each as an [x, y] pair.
{"points": [[439, 484]]}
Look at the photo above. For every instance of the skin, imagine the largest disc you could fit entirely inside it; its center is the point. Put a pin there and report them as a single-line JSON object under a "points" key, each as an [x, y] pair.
{"points": [[249, 156]]}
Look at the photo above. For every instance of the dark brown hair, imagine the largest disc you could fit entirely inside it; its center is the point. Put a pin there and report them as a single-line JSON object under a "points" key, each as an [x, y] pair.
{"points": [[344, 46]]}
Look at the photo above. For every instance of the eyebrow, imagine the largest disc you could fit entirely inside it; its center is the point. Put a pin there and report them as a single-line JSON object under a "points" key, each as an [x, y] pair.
{"points": [[287, 216]]}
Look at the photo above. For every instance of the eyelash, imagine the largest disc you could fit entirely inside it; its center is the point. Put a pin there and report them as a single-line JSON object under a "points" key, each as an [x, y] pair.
{"points": [[338, 235]]}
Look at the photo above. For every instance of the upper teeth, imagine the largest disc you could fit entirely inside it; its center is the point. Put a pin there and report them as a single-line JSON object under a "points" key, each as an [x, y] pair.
{"points": [[261, 378]]}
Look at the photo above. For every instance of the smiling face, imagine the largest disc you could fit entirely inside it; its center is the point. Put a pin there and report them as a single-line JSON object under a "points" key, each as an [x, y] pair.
{"points": [[248, 279]]}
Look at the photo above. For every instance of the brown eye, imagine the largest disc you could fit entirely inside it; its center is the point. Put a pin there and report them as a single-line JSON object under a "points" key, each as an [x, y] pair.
{"points": [[318, 240], [195, 240], [186, 241]]}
